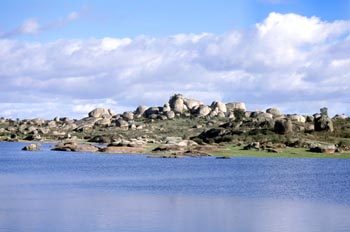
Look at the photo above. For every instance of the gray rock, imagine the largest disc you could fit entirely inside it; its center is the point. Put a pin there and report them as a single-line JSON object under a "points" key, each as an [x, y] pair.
{"points": [[71, 146], [252, 146], [274, 111], [150, 111], [230, 115], [166, 108], [132, 127], [316, 116], [128, 116], [173, 140], [214, 113], [223, 157], [218, 105], [139, 127], [99, 113], [309, 127], [38, 121], [32, 147], [264, 116], [203, 111], [324, 123], [111, 112], [221, 115], [283, 126], [297, 118], [328, 149], [187, 143], [52, 124], [310, 118], [122, 123], [192, 103], [170, 114], [176, 103], [103, 122], [339, 116], [231, 106], [162, 117], [140, 110], [31, 129], [87, 122], [254, 114]]}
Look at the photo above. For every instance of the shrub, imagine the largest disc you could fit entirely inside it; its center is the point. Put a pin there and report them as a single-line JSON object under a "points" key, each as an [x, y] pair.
{"points": [[239, 114]]}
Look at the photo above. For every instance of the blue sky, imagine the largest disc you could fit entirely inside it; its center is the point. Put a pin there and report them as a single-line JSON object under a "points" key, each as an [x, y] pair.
{"points": [[157, 17], [67, 57]]}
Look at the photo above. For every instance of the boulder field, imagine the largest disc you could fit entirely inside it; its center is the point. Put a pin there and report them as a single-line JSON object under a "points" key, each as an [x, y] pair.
{"points": [[183, 121]]}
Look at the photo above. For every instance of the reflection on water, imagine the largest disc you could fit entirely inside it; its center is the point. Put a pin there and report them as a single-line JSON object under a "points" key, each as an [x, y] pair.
{"points": [[50, 191], [143, 212]]}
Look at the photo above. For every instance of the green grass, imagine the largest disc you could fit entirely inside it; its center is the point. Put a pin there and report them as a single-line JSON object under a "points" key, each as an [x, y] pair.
{"points": [[237, 151]]}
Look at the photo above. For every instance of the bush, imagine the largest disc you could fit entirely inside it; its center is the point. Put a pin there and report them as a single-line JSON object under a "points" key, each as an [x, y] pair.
{"points": [[239, 114]]}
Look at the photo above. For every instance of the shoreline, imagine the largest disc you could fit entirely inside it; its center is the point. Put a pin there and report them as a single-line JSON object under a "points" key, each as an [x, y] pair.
{"points": [[223, 151]]}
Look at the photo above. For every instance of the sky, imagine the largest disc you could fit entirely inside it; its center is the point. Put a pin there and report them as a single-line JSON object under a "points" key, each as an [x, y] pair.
{"points": [[65, 58]]}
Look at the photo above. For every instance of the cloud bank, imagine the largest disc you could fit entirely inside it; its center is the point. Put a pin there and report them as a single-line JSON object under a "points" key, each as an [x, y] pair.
{"points": [[297, 63]]}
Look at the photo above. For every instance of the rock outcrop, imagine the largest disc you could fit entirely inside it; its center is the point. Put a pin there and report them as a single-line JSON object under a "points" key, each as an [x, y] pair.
{"points": [[324, 123], [176, 103], [77, 147], [101, 113], [32, 147], [283, 126], [231, 106]]}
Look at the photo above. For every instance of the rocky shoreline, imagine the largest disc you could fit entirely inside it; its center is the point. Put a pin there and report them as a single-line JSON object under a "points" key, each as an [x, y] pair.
{"points": [[185, 127]]}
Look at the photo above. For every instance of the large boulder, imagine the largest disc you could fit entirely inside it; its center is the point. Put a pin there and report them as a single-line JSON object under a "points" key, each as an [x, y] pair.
{"points": [[87, 122], [103, 122], [100, 113], [128, 116], [283, 126], [52, 124], [231, 106], [252, 146], [122, 124], [166, 108], [173, 140], [187, 143], [297, 118], [202, 111], [264, 116], [176, 103], [71, 146], [192, 103], [328, 149], [274, 111], [170, 114], [140, 110], [218, 105], [151, 111], [324, 123], [37, 121]]}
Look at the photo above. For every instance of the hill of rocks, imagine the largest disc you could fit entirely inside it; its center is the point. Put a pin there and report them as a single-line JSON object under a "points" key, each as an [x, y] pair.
{"points": [[188, 119]]}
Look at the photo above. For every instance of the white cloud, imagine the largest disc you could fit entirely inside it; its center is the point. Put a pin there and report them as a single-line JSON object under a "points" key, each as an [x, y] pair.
{"points": [[291, 61], [31, 26]]}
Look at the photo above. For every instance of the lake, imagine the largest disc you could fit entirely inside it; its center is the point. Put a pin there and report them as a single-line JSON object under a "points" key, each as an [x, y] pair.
{"points": [[64, 191]]}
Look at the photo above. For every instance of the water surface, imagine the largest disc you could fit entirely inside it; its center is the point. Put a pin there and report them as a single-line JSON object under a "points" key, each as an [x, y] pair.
{"points": [[60, 191]]}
